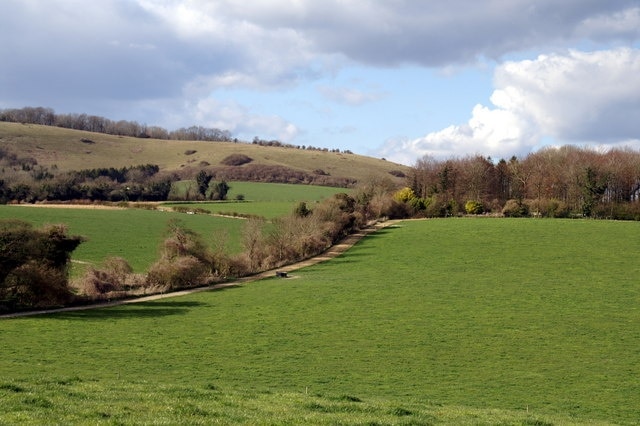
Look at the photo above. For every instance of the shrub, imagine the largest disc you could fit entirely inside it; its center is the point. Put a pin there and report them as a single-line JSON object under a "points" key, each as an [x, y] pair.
{"points": [[96, 283], [549, 208], [236, 160], [473, 207], [34, 265], [404, 195], [397, 173], [515, 208], [302, 210], [184, 242], [186, 261], [219, 191], [35, 285], [440, 206], [179, 272]]}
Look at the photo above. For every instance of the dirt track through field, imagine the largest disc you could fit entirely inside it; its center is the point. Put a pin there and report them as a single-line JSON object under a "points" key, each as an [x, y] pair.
{"points": [[330, 253]]}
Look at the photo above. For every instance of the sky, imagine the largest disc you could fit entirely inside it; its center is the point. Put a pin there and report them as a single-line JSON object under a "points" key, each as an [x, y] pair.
{"points": [[394, 79]]}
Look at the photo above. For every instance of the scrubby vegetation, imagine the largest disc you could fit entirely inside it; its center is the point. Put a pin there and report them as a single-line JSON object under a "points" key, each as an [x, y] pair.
{"points": [[23, 180], [236, 160], [186, 259], [34, 265]]}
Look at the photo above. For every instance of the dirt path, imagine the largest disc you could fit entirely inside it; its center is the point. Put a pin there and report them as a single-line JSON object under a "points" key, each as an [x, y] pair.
{"points": [[332, 252]]}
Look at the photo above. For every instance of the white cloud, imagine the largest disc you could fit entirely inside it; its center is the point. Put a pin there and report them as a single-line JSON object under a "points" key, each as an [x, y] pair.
{"points": [[69, 54], [576, 97], [240, 121]]}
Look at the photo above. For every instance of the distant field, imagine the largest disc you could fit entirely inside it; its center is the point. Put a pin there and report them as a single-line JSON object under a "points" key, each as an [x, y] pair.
{"points": [[136, 234], [269, 200], [467, 321], [133, 234]]}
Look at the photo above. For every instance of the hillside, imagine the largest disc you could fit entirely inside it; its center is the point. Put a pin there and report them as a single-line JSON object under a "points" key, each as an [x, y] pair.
{"points": [[74, 150]]}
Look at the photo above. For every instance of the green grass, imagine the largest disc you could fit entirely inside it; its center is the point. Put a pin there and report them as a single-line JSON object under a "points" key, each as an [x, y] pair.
{"points": [[133, 234], [264, 209], [494, 321], [268, 200], [254, 191]]}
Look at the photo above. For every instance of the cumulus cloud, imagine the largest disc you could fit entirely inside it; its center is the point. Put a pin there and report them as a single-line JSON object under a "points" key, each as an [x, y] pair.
{"points": [[583, 97], [68, 54]]}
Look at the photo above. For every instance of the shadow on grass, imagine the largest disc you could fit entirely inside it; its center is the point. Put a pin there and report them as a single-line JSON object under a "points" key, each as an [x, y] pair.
{"points": [[157, 308]]}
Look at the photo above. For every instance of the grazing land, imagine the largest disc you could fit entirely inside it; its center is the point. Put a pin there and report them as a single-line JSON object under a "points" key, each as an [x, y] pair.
{"points": [[133, 234], [465, 321], [136, 234], [268, 200], [65, 149]]}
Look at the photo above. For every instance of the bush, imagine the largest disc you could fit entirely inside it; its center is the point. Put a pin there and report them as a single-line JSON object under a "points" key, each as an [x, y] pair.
{"points": [[115, 276], [236, 160], [177, 273], [549, 208], [439, 206], [618, 211], [35, 285], [397, 173], [34, 265], [474, 207], [515, 208], [186, 261]]}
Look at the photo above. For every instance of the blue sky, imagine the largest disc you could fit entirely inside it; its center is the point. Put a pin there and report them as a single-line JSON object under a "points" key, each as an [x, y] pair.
{"points": [[397, 79]]}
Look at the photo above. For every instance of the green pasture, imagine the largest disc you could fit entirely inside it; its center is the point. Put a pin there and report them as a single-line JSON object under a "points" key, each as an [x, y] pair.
{"points": [[264, 209], [255, 191], [462, 321], [268, 200], [134, 234]]}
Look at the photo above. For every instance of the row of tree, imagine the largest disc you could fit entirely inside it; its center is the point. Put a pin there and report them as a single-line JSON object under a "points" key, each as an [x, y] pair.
{"points": [[277, 143], [551, 182], [93, 123]]}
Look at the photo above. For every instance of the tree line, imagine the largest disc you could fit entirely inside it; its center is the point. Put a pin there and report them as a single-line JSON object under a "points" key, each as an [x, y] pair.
{"points": [[97, 124], [553, 182], [93, 123]]}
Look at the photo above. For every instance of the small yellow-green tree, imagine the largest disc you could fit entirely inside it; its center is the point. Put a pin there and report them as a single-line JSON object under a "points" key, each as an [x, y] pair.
{"points": [[404, 195]]}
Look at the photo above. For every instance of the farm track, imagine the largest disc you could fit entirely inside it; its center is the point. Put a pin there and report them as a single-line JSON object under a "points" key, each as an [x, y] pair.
{"points": [[330, 253]]}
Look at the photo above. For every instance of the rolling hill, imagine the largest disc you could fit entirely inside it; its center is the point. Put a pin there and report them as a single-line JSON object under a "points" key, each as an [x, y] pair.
{"points": [[76, 150]]}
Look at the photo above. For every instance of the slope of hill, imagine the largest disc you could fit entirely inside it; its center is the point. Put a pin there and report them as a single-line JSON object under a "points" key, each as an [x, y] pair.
{"points": [[75, 150]]}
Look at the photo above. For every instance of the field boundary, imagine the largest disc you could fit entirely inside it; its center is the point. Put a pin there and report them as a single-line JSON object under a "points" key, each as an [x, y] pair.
{"points": [[332, 252]]}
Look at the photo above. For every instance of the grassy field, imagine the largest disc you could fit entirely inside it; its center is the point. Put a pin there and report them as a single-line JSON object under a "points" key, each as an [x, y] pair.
{"points": [[268, 200], [133, 234], [65, 149], [464, 321], [136, 234]]}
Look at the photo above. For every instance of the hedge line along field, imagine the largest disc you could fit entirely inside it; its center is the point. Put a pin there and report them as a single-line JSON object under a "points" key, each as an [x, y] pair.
{"points": [[136, 234], [465, 321], [133, 234]]}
